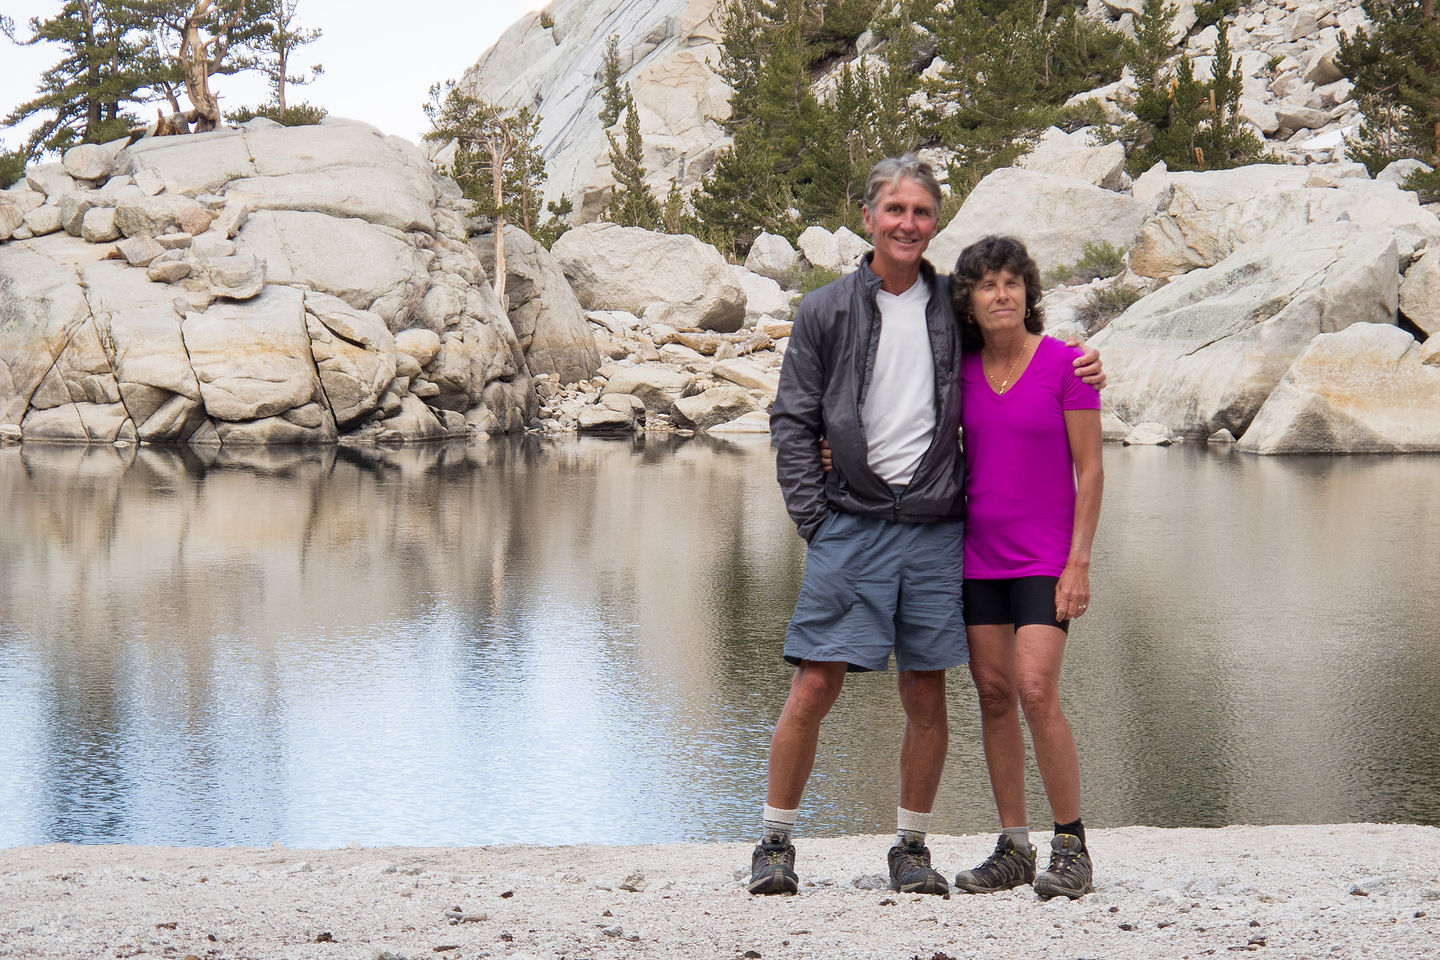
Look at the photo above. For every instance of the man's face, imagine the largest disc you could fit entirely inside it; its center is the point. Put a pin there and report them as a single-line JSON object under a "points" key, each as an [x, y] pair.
{"points": [[901, 223]]}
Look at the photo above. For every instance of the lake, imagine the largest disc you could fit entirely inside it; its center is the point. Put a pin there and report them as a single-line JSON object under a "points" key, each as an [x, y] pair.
{"points": [[557, 641]]}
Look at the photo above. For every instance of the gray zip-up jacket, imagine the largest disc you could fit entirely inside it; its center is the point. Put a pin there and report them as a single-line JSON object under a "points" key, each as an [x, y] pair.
{"points": [[828, 368]]}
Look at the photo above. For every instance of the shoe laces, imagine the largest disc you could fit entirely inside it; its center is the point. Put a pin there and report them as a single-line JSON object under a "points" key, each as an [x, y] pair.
{"points": [[915, 855], [775, 848]]}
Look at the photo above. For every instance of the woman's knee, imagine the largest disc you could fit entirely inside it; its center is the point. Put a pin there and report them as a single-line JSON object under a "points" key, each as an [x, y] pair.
{"points": [[1040, 699], [996, 696]]}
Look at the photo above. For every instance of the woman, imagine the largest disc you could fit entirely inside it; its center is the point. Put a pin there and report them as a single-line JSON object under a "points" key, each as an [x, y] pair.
{"points": [[1034, 480]]}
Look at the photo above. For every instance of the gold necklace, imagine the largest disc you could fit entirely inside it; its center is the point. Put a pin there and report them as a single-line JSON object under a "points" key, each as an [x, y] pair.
{"points": [[1024, 349]]}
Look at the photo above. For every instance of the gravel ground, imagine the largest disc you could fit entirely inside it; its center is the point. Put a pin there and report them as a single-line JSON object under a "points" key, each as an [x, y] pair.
{"points": [[1355, 890]]}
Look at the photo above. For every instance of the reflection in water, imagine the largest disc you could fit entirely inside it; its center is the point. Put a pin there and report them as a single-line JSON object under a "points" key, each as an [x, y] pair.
{"points": [[570, 641]]}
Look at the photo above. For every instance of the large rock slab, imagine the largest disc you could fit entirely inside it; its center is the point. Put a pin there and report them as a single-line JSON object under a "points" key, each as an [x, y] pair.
{"points": [[41, 305], [1077, 155], [149, 359], [193, 164], [1420, 292], [1207, 216], [715, 406], [78, 398], [1202, 353], [1055, 216], [658, 387], [1363, 389], [252, 358], [549, 321], [349, 259], [625, 268], [354, 353]]}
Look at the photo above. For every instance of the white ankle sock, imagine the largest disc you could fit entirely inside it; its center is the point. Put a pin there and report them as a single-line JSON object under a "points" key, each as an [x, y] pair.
{"points": [[910, 825], [774, 821]]}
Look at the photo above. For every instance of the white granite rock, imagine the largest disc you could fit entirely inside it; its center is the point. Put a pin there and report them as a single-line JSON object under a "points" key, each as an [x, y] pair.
{"points": [[771, 256], [1203, 352], [1420, 292], [1054, 216], [1363, 389], [625, 268]]}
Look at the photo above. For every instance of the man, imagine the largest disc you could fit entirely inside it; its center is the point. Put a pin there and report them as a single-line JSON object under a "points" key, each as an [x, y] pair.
{"points": [[873, 367]]}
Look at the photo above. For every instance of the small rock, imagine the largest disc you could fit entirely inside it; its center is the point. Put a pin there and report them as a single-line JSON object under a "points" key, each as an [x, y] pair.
{"points": [[168, 271], [139, 251], [1150, 434], [89, 161], [175, 241], [43, 220], [635, 882], [870, 881], [98, 226], [9, 433], [212, 245], [1221, 436], [236, 278], [149, 182], [231, 219]]}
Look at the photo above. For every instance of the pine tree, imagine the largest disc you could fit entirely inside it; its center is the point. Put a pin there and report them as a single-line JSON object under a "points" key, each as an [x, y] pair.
{"points": [[612, 93], [487, 140], [775, 118], [282, 44], [1395, 67], [631, 203], [210, 38], [1009, 68], [1181, 120], [86, 94]]}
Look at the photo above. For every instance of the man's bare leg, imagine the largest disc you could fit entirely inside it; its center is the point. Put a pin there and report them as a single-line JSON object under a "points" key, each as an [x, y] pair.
{"points": [[792, 756], [922, 761], [813, 692]]}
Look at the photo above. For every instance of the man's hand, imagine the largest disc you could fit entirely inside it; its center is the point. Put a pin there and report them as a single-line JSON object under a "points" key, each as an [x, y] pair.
{"points": [[826, 462], [1087, 365]]}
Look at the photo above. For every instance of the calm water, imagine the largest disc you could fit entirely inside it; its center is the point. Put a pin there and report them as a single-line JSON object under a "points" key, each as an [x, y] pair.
{"points": [[577, 641]]}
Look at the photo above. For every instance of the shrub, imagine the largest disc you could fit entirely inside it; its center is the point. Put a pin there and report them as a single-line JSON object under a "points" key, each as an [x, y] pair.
{"points": [[300, 115], [1096, 260], [12, 168], [1105, 305], [808, 279]]}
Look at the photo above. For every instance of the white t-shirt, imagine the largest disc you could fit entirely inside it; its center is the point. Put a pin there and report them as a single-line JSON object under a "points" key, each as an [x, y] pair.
{"points": [[899, 411]]}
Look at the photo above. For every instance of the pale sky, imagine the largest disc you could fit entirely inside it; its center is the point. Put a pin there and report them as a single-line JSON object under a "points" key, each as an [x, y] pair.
{"points": [[380, 58]]}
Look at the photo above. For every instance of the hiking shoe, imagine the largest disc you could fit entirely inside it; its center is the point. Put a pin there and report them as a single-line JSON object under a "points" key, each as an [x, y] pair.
{"points": [[1007, 867], [772, 866], [910, 870], [1069, 872]]}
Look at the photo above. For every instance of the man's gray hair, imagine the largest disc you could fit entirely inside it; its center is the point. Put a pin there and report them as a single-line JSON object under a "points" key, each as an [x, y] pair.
{"points": [[890, 171]]}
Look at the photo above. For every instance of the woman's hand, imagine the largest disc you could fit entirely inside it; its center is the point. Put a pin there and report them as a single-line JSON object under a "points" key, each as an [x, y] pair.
{"points": [[1072, 592], [826, 462]]}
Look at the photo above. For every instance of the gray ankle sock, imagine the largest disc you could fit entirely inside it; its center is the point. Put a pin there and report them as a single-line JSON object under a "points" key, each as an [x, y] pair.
{"points": [[776, 822], [1020, 836], [911, 826]]}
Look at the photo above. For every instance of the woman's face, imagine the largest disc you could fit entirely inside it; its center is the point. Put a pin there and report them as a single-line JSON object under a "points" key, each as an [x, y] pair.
{"points": [[997, 300]]}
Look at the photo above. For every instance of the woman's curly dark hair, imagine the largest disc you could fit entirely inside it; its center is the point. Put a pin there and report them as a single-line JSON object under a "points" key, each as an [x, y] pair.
{"points": [[982, 256]]}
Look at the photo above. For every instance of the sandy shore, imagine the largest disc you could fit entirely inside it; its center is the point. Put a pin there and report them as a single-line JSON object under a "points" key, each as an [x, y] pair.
{"points": [[1357, 890]]}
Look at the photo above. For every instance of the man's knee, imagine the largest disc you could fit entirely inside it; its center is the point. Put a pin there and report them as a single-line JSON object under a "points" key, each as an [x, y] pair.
{"points": [[922, 694], [815, 688]]}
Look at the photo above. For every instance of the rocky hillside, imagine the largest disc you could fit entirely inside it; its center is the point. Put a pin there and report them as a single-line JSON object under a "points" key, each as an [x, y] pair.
{"points": [[668, 49], [1294, 96], [259, 285]]}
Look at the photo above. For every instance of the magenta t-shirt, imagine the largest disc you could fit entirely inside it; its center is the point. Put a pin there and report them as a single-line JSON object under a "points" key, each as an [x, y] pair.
{"points": [[1020, 491]]}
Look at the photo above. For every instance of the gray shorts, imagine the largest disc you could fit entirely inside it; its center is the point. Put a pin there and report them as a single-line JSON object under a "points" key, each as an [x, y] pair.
{"points": [[872, 586]]}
